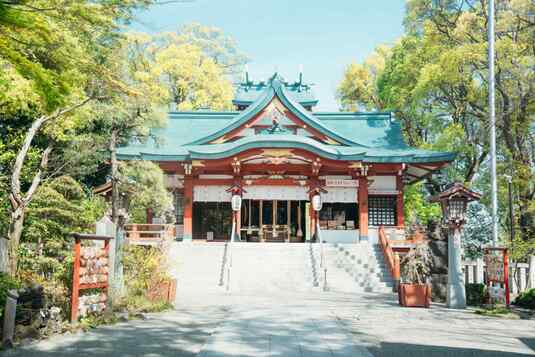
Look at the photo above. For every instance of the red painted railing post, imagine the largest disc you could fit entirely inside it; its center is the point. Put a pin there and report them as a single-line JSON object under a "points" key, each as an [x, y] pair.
{"points": [[396, 276], [506, 276], [75, 281]]}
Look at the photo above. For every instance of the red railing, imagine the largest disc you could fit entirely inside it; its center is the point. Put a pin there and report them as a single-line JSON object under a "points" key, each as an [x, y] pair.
{"points": [[391, 258], [138, 233]]}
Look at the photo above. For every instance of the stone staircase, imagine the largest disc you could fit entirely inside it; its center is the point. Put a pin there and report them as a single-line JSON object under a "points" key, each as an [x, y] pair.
{"points": [[266, 268], [271, 268], [198, 268], [357, 267]]}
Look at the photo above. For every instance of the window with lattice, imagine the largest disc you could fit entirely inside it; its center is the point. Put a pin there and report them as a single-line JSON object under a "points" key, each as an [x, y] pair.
{"points": [[179, 207], [382, 210]]}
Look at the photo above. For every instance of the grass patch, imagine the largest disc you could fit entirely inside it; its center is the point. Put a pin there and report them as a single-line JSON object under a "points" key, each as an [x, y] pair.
{"points": [[497, 311]]}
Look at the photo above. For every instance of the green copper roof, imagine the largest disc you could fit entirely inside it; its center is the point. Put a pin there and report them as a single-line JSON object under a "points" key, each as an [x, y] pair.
{"points": [[276, 89], [367, 137]]}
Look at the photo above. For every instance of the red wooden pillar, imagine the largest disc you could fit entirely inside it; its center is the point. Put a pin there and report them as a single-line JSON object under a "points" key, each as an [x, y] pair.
{"points": [[506, 277], [75, 295], [312, 215], [238, 222], [363, 208], [188, 208], [399, 202]]}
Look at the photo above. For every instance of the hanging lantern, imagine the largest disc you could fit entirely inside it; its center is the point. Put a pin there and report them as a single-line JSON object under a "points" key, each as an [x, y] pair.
{"points": [[317, 203], [236, 203]]}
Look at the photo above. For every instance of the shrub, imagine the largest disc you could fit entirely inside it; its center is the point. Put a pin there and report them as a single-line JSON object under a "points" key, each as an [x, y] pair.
{"points": [[475, 294], [143, 267], [415, 266], [526, 299]]}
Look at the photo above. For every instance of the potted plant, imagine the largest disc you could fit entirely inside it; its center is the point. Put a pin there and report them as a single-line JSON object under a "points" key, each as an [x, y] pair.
{"points": [[414, 290]]}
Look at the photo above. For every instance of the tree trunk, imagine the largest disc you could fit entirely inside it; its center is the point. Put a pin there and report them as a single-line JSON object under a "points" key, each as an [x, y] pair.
{"points": [[19, 200], [114, 170], [14, 234]]}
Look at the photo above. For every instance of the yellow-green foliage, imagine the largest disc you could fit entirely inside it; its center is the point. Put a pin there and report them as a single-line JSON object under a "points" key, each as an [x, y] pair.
{"points": [[143, 183], [143, 266], [434, 79]]}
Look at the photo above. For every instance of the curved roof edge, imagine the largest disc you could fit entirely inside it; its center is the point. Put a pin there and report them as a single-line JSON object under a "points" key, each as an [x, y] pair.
{"points": [[276, 89]]}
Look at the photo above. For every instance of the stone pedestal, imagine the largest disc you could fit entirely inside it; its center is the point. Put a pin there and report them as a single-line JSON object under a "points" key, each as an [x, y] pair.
{"points": [[456, 297]]}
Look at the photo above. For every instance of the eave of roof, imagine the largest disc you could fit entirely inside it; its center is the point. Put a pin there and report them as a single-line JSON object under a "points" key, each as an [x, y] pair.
{"points": [[333, 152]]}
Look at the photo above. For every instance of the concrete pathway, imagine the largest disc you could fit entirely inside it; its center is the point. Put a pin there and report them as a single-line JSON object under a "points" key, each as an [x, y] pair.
{"points": [[314, 324]]}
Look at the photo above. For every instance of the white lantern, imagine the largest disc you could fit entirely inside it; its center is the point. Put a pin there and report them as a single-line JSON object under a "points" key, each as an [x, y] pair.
{"points": [[236, 203], [317, 202]]}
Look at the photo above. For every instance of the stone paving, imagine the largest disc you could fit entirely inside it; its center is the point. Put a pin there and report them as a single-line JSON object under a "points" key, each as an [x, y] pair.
{"points": [[315, 324]]}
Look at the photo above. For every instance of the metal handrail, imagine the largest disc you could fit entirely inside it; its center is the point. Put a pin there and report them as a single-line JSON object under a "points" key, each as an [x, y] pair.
{"points": [[230, 252], [323, 259]]}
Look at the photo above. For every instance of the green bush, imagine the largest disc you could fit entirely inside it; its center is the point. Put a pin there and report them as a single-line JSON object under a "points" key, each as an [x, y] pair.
{"points": [[526, 299], [475, 294], [6, 283]]}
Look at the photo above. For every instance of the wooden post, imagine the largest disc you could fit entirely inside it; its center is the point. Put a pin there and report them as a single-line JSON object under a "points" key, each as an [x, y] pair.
{"points": [[274, 215], [289, 217], [399, 202], [9, 318], [363, 208], [75, 281], [506, 276], [188, 208], [480, 276], [238, 224], [150, 215], [396, 276], [312, 217], [531, 272], [261, 223]]}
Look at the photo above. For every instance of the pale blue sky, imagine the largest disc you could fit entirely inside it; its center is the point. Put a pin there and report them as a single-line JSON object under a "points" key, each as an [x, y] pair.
{"points": [[323, 36]]}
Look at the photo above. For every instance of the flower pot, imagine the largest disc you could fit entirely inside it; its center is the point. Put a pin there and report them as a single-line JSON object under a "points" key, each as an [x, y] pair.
{"points": [[414, 295]]}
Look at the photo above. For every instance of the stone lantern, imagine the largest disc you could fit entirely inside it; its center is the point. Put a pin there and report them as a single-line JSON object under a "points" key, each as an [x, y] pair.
{"points": [[454, 201]]}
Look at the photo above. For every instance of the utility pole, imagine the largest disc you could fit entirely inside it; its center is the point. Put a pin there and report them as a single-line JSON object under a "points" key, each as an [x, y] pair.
{"points": [[492, 122]]}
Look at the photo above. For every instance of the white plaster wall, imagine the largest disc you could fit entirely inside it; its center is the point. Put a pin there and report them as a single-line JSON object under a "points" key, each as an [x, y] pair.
{"points": [[382, 184], [211, 194]]}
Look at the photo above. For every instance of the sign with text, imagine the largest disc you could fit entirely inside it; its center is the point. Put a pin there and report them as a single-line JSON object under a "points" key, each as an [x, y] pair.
{"points": [[341, 183], [497, 277]]}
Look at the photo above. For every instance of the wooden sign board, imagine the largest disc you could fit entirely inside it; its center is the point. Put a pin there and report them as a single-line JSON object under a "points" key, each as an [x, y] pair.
{"points": [[497, 274], [90, 271], [341, 183]]}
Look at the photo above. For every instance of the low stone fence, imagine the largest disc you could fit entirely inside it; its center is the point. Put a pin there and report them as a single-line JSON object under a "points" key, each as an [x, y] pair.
{"points": [[521, 275]]}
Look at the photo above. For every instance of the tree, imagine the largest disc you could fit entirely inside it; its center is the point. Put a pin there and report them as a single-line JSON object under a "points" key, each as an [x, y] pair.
{"points": [[143, 185], [55, 49], [213, 43], [435, 81], [359, 84]]}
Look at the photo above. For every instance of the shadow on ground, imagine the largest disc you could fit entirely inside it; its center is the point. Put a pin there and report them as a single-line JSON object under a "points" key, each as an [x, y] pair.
{"points": [[410, 350]]}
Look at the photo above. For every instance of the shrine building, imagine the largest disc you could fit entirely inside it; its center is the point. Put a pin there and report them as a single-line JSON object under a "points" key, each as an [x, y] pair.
{"points": [[277, 152]]}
